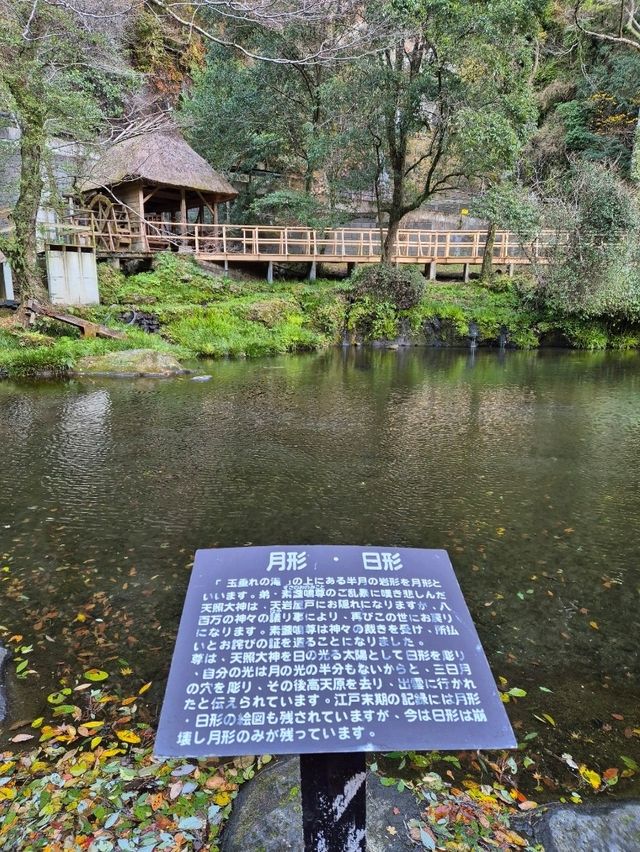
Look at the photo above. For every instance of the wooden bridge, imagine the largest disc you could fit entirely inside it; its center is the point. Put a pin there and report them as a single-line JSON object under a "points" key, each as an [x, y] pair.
{"points": [[228, 243]]}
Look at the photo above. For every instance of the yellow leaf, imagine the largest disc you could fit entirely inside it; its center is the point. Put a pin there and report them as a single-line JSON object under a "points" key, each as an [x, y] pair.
{"points": [[126, 701], [594, 624], [500, 531], [144, 688], [590, 776], [93, 725], [7, 793], [37, 722], [81, 617], [222, 799], [128, 736], [95, 742], [8, 765], [109, 752]]}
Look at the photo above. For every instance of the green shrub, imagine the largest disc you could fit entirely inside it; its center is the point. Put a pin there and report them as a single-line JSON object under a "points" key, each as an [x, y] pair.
{"points": [[400, 286], [174, 278], [584, 335], [373, 320], [219, 332]]}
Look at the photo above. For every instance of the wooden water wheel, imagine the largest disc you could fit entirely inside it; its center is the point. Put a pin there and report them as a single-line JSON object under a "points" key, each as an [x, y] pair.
{"points": [[112, 225]]}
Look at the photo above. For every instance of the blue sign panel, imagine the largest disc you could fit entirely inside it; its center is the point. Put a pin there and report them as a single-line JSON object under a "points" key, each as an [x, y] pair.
{"points": [[327, 649]]}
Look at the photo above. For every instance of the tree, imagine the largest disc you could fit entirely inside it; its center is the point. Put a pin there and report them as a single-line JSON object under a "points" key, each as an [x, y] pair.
{"points": [[450, 104], [288, 117], [54, 83], [594, 268], [506, 205]]}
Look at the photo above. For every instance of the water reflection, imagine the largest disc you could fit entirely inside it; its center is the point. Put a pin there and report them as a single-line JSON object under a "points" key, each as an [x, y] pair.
{"points": [[523, 465]]}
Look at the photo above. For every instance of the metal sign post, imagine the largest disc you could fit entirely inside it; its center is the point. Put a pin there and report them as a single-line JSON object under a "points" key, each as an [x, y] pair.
{"points": [[328, 652], [334, 810]]}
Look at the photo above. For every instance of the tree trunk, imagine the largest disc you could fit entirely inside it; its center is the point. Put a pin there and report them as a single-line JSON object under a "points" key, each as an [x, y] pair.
{"points": [[390, 244], [487, 259], [23, 253], [635, 155]]}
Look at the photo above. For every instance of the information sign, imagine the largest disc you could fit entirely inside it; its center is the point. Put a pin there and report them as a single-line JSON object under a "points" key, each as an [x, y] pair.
{"points": [[327, 649]]}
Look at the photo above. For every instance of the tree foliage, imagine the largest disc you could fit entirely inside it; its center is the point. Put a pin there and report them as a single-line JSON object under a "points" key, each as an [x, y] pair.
{"points": [[595, 265], [56, 82]]}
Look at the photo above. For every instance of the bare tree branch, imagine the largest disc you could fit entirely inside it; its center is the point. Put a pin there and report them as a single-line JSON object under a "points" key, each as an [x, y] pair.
{"points": [[628, 21]]}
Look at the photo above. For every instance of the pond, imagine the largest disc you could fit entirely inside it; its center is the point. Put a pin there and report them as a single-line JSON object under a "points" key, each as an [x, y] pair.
{"points": [[524, 466]]}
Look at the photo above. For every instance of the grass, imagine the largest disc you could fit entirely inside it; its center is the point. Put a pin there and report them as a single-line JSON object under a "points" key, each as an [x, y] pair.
{"points": [[206, 316]]}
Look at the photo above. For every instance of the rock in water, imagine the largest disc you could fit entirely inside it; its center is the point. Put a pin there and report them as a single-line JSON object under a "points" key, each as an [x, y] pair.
{"points": [[130, 362]]}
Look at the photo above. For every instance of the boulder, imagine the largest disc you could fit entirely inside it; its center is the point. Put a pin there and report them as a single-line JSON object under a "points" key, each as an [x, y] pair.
{"points": [[267, 814], [4, 656], [130, 362], [606, 827]]}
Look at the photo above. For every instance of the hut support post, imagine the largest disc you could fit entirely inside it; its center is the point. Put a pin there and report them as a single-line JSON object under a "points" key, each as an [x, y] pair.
{"points": [[183, 212], [144, 243]]}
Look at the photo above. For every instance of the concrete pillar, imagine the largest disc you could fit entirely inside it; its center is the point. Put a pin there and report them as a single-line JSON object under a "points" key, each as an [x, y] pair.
{"points": [[351, 268], [270, 272], [465, 268], [6, 281], [432, 270], [512, 269], [312, 273], [226, 265]]}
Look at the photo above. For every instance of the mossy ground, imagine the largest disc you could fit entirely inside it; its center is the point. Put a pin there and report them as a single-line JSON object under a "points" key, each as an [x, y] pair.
{"points": [[206, 316]]}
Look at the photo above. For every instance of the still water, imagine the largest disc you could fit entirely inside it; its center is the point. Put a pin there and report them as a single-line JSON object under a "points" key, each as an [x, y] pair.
{"points": [[524, 466]]}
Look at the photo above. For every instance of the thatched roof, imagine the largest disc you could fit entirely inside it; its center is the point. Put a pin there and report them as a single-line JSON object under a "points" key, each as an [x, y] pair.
{"points": [[161, 158]]}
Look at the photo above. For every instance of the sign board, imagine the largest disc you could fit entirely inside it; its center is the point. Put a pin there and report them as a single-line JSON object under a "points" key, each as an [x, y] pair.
{"points": [[296, 650]]}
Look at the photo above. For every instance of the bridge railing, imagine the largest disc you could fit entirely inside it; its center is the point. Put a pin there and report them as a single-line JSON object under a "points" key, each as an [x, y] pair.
{"points": [[357, 244], [270, 242]]}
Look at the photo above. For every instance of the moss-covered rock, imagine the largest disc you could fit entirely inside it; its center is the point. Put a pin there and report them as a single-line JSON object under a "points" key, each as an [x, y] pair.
{"points": [[131, 362]]}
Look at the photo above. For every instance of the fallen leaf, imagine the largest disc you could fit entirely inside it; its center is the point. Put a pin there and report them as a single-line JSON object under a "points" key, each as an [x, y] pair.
{"points": [[590, 776], [96, 675], [128, 736]]}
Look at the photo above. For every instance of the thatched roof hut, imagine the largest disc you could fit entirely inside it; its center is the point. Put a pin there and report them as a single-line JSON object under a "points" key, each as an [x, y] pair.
{"points": [[161, 158], [147, 192]]}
